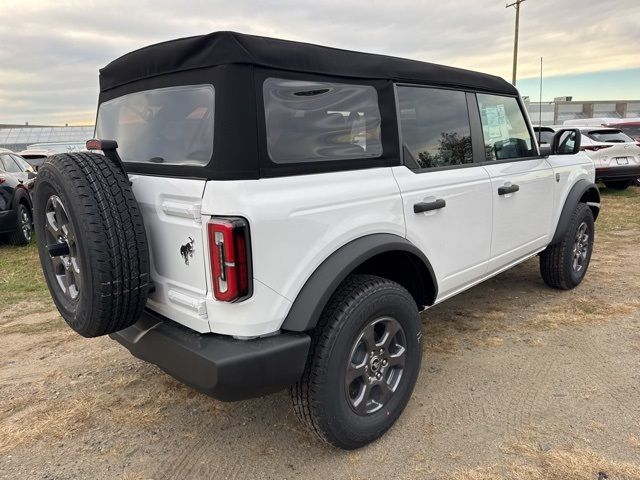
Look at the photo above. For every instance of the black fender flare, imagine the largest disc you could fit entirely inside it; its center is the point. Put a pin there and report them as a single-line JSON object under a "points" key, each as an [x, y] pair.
{"points": [[316, 292], [576, 193]]}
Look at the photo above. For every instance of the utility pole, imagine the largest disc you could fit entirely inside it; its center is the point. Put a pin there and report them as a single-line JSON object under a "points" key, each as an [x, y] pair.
{"points": [[515, 41]]}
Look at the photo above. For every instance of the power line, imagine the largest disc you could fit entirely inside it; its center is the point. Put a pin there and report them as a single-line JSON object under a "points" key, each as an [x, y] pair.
{"points": [[515, 41]]}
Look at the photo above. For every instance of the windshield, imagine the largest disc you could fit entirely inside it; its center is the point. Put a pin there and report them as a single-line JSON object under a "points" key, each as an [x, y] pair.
{"points": [[610, 136], [172, 126]]}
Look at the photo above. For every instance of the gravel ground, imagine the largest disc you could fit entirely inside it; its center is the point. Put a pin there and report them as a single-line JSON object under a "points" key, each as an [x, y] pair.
{"points": [[518, 382]]}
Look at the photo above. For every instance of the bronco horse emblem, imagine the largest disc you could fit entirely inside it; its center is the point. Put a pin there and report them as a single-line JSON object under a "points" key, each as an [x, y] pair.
{"points": [[186, 251]]}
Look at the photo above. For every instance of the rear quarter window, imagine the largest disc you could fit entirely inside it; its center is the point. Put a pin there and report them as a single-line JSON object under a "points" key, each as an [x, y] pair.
{"points": [[170, 126], [320, 121]]}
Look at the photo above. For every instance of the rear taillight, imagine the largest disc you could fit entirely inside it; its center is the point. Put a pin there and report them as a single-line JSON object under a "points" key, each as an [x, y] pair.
{"points": [[229, 252], [594, 148]]}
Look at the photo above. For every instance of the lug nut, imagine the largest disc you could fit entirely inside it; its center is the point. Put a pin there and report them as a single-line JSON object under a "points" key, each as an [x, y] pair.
{"points": [[378, 375], [384, 362]]}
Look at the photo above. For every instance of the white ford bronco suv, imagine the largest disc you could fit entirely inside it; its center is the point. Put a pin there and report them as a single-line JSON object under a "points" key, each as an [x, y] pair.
{"points": [[266, 214]]}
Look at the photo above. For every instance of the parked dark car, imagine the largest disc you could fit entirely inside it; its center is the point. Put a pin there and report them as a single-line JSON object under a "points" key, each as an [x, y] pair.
{"points": [[16, 211]]}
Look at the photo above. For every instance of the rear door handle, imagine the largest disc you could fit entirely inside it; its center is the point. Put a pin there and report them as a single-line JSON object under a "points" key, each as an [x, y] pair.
{"points": [[509, 189], [428, 206]]}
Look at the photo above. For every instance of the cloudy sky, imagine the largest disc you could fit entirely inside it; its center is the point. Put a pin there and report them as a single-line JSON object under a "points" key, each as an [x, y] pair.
{"points": [[51, 50]]}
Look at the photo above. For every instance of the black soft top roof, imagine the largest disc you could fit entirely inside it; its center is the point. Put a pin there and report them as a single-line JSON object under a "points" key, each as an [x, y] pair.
{"points": [[221, 48]]}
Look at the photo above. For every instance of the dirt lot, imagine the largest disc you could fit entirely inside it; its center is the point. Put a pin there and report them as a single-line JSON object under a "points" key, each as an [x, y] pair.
{"points": [[518, 382]]}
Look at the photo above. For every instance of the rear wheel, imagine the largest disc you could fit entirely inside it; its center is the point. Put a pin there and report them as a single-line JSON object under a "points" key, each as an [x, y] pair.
{"points": [[24, 228], [363, 364], [618, 184]]}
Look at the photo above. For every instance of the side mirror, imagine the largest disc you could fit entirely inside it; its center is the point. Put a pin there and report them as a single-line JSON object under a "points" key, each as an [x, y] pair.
{"points": [[566, 141]]}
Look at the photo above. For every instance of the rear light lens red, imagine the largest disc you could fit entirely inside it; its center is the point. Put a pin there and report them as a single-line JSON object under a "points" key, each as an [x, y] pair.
{"points": [[594, 148], [94, 144], [229, 256]]}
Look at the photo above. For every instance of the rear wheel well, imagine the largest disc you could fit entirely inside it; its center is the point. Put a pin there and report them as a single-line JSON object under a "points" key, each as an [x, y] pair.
{"points": [[592, 198], [406, 269]]}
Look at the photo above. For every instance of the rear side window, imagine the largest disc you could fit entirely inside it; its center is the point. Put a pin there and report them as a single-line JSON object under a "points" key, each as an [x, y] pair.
{"points": [[435, 127], [171, 126], [611, 136], [320, 121], [505, 130]]}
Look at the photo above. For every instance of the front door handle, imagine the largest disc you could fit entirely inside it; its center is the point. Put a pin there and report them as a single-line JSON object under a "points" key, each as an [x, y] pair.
{"points": [[509, 189], [428, 206]]}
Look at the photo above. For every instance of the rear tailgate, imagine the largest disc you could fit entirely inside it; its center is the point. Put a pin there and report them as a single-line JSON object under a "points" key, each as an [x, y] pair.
{"points": [[171, 210]]}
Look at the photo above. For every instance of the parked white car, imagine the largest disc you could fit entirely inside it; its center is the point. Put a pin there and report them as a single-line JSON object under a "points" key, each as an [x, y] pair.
{"points": [[269, 214], [615, 154], [36, 157]]}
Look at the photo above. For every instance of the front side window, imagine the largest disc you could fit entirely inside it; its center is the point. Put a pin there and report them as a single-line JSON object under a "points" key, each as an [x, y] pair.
{"points": [[320, 121], [505, 130], [434, 124], [170, 126]]}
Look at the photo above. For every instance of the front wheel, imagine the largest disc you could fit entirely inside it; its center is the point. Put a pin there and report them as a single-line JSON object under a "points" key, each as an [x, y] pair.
{"points": [[564, 264], [363, 364]]}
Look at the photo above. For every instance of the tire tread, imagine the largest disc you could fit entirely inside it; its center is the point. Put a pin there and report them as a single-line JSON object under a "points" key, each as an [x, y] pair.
{"points": [[115, 240]]}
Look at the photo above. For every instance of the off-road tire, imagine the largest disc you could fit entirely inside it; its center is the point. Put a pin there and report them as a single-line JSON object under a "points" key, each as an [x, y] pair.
{"points": [[556, 262], [618, 184], [110, 242], [319, 397], [18, 237]]}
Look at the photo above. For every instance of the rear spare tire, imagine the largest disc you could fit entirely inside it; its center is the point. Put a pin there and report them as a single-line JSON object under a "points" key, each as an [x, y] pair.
{"points": [[92, 242]]}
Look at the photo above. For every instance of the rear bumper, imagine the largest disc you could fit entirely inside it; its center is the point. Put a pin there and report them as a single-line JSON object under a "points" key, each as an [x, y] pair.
{"points": [[618, 173], [8, 221], [218, 365]]}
